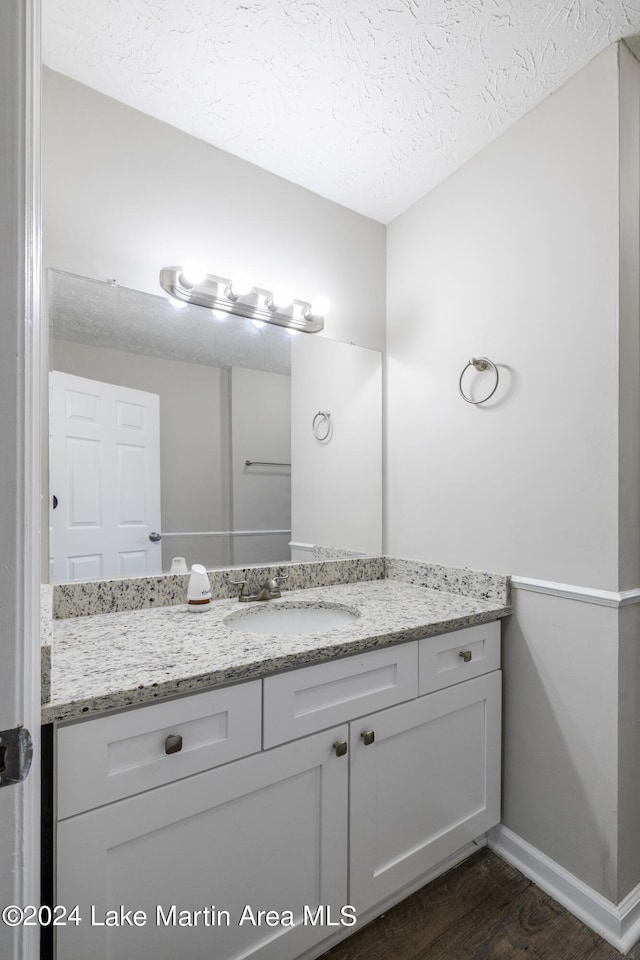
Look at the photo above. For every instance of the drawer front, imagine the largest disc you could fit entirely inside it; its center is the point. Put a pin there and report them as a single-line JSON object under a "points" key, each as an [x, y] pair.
{"points": [[453, 657], [103, 760], [312, 698]]}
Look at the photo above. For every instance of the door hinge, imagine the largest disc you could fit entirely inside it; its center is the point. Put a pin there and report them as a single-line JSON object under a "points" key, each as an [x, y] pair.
{"points": [[16, 754]]}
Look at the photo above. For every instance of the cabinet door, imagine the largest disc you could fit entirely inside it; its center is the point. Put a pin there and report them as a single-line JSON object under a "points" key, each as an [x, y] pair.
{"points": [[428, 784], [200, 858]]}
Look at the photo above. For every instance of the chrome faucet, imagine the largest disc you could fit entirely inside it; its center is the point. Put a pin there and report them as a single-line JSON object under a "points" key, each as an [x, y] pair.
{"points": [[269, 590]]}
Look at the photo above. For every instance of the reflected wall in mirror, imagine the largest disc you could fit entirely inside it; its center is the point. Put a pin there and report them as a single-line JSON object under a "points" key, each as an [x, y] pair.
{"points": [[224, 395]]}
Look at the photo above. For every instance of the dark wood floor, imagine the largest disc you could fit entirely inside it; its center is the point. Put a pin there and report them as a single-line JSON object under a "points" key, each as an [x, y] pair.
{"points": [[482, 910]]}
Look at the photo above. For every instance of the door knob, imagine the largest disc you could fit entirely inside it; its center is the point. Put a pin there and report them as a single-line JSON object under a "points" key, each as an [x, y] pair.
{"points": [[368, 737], [154, 537], [340, 747]]}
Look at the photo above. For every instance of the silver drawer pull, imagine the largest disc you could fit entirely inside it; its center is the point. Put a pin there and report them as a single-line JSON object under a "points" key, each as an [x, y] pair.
{"points": [[466, 655], [340, 747], [368, 737], [173, 743]]}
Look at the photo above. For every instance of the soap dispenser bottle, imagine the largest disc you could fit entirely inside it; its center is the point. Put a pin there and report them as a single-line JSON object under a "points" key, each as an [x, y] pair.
{"points": [[198, 590]]}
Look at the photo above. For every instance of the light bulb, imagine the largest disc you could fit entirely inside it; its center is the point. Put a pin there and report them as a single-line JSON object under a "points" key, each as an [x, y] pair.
{"points": [[320, 307], [219, 314], [178, 304], [193, 272], [280, 299], [240, 286], [258, 323]]}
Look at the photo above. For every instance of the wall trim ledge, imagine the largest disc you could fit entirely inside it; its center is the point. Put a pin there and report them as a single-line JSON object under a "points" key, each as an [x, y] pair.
{"points": [[618, 925], [605, 598]]}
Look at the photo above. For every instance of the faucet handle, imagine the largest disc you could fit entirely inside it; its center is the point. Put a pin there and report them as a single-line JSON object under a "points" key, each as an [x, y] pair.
{"points": [[244, 592], [271, 585]]}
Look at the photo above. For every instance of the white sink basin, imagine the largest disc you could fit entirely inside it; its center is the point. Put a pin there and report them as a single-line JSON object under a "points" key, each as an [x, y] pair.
{"points": [[290, 618]]}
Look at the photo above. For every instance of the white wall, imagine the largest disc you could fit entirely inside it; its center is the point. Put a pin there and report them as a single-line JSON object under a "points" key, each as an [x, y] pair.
{"points": [[629, 346], [513, 257], [125, 195], [561, 757], [516, 257]]}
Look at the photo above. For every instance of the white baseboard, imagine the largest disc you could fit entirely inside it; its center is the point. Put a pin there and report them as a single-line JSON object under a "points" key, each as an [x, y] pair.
{"points": [[618, 925]]}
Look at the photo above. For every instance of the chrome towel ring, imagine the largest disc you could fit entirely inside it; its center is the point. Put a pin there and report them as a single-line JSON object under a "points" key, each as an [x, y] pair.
{"points": [[322, 426], [482, 363]]}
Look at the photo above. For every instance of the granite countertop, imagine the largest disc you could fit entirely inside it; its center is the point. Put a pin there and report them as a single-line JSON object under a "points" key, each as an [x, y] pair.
{"points": [[114, 660]]}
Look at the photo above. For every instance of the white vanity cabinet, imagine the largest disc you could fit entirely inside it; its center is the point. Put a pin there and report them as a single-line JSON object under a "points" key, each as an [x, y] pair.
{"points": [[364, 774], [200, 857]]}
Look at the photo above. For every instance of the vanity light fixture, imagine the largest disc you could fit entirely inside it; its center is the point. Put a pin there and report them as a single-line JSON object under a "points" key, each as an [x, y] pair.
{"points": [[280, 299], [240, 286], [188, 284], [192, 273], [319, 308]]}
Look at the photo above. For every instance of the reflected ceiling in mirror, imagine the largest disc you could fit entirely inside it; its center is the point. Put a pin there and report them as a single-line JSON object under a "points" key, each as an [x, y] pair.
{"points": [[102, 314]]}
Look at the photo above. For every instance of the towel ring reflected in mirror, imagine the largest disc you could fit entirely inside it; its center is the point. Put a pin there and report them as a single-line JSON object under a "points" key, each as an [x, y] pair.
{"points": [[480, 364], [321, 426]]}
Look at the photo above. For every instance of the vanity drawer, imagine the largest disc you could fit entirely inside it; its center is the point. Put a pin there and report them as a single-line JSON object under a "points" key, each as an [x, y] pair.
{"points": [[111, 757], [453, 657], [312, 698]]}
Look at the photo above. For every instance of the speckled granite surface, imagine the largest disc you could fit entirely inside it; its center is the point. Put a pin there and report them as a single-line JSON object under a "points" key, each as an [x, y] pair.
{"points": [[470, 583], [110, 596], [116, 660], [146, 593]]}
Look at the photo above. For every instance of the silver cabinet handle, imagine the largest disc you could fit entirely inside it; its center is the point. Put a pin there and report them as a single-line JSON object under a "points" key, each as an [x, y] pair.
{"points": [[466, 655], [173, 743], [368, 737], [340, 747], [155, 537]]}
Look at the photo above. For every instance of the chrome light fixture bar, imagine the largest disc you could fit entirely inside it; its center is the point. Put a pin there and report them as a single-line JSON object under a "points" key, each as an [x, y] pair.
{"points": [[217, 293]]}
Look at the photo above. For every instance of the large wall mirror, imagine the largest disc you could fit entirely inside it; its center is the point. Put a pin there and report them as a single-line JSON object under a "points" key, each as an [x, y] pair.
{"points": [[175, 433]]}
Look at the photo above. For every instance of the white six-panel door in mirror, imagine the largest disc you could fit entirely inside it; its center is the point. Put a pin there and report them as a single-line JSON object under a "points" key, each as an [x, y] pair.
{"points": [[105, 473]]}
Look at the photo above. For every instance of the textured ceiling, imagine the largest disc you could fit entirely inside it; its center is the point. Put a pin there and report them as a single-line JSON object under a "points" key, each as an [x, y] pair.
{"points": [[368, 102], [102, 314]]}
